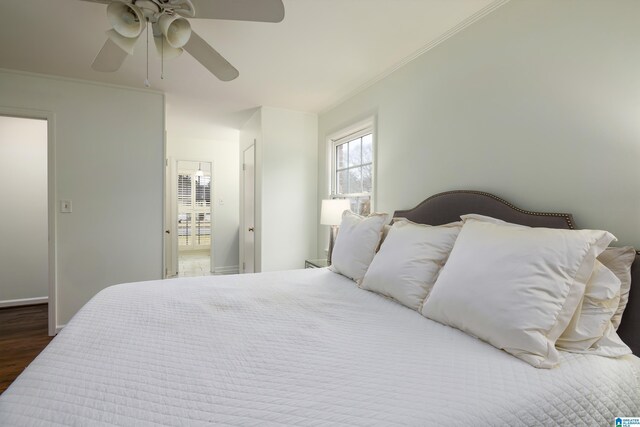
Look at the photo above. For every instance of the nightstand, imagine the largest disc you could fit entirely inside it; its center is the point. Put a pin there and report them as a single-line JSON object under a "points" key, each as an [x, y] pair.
{"points": [[316, 263]]}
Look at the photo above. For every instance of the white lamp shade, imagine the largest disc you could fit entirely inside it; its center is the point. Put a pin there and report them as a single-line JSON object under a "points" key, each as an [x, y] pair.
{"points": [[177, 30], [165, 49], [331, 211], [128, 20]]}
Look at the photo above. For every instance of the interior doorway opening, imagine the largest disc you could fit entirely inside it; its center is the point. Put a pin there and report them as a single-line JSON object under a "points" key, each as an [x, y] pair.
{"points": [[24, 216], [194, 218]]}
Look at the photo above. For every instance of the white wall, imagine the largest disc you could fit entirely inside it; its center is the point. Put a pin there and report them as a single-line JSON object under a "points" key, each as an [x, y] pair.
{"points": [[286, 187], [189, 117], [538, 102], [109, 151], [224, 157], [24, 263], [250, 134], [289, 188]]}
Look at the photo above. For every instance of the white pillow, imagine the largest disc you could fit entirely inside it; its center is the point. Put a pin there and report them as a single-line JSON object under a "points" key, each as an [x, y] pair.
{"points": [[590, 330], [383, 235], [356, 243], [619, 261], [386, 228], [515, 287], [593, 326], [409, 260]]}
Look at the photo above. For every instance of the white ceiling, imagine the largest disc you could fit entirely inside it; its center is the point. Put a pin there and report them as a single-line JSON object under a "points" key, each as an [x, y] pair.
{"points": [[323, 51]]}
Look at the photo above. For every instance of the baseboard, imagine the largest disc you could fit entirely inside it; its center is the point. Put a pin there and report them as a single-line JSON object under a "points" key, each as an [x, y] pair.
{"points": [[23, 301], [229, 269], [59, 328]]}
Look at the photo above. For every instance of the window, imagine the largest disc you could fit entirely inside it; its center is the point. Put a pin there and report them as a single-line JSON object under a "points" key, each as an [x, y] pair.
{"points": [[352, 169], [194, 205]]}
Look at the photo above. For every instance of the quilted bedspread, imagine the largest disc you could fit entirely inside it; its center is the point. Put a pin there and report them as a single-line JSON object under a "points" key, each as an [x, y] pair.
{"points": [[304, 348]]}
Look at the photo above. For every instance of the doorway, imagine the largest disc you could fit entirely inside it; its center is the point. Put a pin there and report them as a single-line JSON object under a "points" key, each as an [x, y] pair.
{"points": [[194, 215], [24, 212]]}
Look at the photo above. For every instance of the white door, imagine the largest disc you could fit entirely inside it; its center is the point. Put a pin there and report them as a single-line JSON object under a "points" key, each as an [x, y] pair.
{"points": [[170, 230], [248, 234]]}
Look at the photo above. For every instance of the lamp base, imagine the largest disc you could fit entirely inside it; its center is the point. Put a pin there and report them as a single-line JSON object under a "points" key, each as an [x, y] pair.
{"points": [[332, 239]]}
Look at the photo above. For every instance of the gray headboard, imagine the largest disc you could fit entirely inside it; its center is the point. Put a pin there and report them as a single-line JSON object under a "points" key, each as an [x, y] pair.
{"points": [[447, 207]]}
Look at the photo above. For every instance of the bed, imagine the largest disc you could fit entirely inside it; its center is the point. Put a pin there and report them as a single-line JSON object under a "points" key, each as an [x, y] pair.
{"points": [[307, 347]]}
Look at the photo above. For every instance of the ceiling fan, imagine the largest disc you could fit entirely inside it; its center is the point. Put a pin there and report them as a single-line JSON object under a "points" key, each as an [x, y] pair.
{"points": [[172, 32]]}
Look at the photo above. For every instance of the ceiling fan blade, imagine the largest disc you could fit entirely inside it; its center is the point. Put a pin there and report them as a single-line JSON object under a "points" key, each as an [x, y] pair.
{"points": [[240, 10], [110, 57], [210, 58]]}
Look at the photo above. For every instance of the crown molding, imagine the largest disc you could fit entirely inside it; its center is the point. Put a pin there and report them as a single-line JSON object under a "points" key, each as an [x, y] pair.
{"points": [[77, 80]]}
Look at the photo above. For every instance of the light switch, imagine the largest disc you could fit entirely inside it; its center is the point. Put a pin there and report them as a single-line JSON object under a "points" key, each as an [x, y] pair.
{"points": [[65, 206]]}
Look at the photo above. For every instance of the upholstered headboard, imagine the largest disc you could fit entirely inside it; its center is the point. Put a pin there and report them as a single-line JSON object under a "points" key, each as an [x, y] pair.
{"points": [[447, 207]]}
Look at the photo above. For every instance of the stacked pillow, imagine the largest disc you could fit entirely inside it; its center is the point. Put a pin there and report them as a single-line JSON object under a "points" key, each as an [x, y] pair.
{"points": [[409, 261], [591, 329], [356, 243], [619, 261], [531, 282], [528, 291]]}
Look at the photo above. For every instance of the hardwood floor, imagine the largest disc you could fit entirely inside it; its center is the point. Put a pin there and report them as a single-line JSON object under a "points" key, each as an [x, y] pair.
{"points": [[23, 335]]}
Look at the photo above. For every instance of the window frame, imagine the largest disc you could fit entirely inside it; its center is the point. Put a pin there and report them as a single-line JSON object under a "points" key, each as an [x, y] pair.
{"points": [[347, 134]]}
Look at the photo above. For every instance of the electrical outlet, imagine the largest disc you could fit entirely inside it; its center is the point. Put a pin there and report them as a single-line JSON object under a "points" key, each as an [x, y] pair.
{"points": [[65, 206]]}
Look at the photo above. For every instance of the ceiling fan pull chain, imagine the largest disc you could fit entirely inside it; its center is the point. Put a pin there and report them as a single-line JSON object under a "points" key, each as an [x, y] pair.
{"points": [[162, 58], [147, 84]]}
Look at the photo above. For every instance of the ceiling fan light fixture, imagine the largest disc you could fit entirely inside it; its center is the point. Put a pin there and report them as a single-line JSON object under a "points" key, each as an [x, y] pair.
{"points": [[172, 32], [176, 30], [164, 49], [183, 7], [125, 43], [126, 19]]}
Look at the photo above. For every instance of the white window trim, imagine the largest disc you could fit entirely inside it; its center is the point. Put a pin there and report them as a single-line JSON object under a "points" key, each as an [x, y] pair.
{"points": [[348, 133]]}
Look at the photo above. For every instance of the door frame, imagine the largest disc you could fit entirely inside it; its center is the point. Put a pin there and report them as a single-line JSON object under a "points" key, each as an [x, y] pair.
{"points": [[171, 248], [52, 196]]}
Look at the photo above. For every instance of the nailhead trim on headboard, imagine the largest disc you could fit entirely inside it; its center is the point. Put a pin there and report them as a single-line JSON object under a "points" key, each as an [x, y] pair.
{"points": [[565, 216]]}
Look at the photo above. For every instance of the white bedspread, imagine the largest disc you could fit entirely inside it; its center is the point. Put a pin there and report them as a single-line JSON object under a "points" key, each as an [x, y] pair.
{"points": [[295, 348]]}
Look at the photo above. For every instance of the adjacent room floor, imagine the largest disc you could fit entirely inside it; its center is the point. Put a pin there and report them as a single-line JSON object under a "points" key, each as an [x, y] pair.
{"points": [[23, 335], [194, 263]]}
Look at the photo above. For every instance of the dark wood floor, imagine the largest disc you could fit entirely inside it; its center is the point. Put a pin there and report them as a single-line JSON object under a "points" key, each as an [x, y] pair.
{"points": [[23, 335]]}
